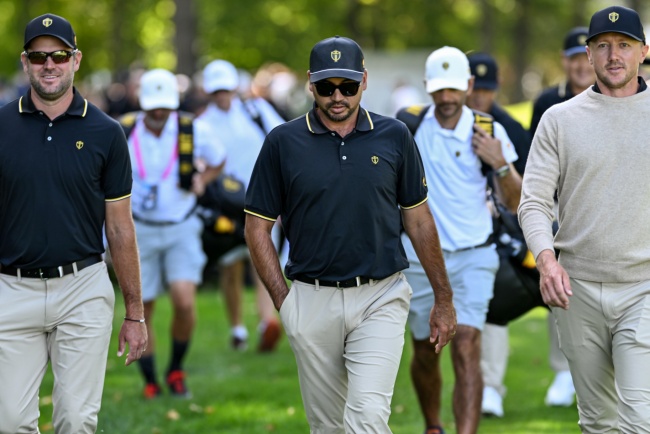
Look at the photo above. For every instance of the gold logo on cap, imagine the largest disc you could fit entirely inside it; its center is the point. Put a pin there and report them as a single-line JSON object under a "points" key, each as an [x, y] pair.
{"points": [[481, 70], [445, 66], [80, 144], [582, 39], [336, 55], [374, 159], [47, 22], [613, 17]]}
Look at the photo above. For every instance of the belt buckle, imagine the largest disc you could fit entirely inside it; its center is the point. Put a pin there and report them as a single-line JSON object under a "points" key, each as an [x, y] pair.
{"points": [[337, 285], [40, 273]]}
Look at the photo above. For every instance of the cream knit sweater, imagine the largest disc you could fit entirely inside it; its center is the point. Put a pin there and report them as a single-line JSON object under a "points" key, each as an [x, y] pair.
{"points": [[595, 150]]}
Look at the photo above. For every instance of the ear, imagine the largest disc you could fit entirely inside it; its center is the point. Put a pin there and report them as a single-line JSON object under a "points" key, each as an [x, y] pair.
{"points": [[24, 61], [591, 60], [364, 80], [77, 60], [470, 85]]}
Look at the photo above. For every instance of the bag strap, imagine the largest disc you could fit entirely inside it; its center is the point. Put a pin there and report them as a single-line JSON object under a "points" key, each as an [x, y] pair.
{"points": [[185, 143], [254, 114]]}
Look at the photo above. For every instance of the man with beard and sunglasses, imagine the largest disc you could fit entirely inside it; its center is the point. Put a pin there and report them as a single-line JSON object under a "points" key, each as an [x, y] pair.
{"points": [[593, 153], [458, 156], [343, 180], [65, 175]]}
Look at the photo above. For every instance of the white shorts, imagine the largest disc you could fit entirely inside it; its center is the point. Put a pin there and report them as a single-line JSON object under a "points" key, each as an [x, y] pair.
{"points": [[471, 274]]}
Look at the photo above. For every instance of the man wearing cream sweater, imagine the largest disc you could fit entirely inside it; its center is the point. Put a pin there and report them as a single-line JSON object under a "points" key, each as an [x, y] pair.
{"points": [[594, 151]]}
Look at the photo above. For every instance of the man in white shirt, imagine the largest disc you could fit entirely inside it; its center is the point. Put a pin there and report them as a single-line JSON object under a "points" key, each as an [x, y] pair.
{"points": [[241, 126], [458, 155], [164, 143]]}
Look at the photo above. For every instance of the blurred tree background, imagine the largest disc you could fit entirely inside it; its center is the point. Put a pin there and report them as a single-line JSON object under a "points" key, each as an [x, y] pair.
{"points": [[525, 36]]}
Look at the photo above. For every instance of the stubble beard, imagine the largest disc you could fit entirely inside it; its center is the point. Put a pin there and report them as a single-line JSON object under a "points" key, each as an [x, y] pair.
{"points": [[65, 82], [337, 117]]}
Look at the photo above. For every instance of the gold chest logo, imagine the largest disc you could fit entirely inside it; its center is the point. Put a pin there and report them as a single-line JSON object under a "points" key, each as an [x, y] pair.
{"points": [[374, 159], [79, 144], [613, 17], [336, 55], [47, 22]]}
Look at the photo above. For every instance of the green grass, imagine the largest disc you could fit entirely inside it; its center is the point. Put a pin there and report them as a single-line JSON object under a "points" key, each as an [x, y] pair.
{"points": [[253, 393]]}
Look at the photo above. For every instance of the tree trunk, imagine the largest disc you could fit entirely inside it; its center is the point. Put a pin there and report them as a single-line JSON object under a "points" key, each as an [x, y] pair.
{"points": [[487, 27], [521, 46], [185, 35]]}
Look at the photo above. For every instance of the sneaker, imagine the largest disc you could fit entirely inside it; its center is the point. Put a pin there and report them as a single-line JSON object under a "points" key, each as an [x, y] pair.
{"points": [[239, 338], [492, 402], [269, 335], [435, 429], [176, 383], [561, 393], [152, 391]]}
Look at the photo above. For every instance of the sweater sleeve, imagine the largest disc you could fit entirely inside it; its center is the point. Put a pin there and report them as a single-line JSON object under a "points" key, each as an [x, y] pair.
{"points": [[539, 185]]}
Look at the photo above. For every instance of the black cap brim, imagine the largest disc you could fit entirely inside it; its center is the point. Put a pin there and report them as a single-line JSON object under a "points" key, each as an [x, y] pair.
{"points": [[335, 73], [66, 42]]}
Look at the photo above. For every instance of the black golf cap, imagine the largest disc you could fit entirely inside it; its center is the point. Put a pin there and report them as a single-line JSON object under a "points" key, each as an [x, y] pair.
{"points": [[617, 19], [485, 71], [336, 57], [575, 41], [50, 25]]}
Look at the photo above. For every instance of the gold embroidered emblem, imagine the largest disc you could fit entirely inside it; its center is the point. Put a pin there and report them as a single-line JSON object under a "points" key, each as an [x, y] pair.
{"points": [[445, 66], [79, 144], [47, 22], [374, 159], [481, 70], [336, 55], [613, 17], [424, 181], [582, 39]]}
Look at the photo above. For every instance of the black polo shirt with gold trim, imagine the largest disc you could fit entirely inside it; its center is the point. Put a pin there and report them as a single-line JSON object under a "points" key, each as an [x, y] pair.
{"points": [[339, 198], [55, 178]]}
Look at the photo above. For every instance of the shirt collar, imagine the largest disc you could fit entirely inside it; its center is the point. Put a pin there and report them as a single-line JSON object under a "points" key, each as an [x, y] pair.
{"points": [[464, 127], [78, 106], [315, 126], [642, 86]]}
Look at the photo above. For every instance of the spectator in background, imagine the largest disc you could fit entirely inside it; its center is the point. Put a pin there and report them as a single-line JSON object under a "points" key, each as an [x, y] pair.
{"points": [[241, 125], [164, 199], [579, 75]]}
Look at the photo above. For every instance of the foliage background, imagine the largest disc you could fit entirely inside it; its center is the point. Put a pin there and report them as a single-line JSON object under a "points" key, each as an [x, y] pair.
{"points": [[525, 36]]}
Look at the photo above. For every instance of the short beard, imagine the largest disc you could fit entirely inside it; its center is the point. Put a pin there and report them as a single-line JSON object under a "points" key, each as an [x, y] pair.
{"points": [[337, 118], [53, 95]]}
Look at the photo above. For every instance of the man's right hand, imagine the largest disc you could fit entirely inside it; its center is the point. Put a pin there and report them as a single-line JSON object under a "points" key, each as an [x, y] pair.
{"points": [[554, 281], [442, 322]]}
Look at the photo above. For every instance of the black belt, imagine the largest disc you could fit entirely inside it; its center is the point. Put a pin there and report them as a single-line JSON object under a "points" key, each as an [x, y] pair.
{"points": [[350, 283], [488, 242], [47, 273], [163, 222]]}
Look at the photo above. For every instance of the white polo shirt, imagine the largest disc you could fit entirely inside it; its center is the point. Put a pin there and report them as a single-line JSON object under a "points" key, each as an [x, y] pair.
{"points": [[241, 135], [457, 188], [156, 194]]}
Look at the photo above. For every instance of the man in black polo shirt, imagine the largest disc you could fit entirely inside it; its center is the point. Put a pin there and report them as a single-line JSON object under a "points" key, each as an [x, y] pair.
{"points": [[342, 179], [579, 76], [64, 173]]}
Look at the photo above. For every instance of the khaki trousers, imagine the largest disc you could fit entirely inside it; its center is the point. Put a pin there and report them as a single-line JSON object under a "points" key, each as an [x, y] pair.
{"points": [[348, 344], [66, 321], [605, 335]]}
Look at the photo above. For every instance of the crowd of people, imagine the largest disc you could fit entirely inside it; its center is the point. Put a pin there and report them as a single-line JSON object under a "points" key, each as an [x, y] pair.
{"points": [[376, 221]]}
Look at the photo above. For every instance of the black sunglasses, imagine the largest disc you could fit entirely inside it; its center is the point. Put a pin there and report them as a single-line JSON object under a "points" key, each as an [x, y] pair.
{"points": [[58, 57], [327, 88]]}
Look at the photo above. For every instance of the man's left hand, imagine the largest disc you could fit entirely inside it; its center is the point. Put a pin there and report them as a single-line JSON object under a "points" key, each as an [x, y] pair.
{"points": [[135, 334], [487, 148]]}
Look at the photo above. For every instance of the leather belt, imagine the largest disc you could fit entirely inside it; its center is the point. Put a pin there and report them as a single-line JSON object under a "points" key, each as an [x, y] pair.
{"points": [[47, 273], [488, 242], [350, 283]]}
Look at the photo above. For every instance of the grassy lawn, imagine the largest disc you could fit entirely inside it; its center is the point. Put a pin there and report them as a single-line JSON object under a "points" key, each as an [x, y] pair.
{"points": [[253, 393]]}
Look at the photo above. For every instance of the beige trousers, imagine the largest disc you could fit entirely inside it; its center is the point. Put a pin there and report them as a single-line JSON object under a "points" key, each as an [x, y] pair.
{"points": [[66, 321], [605, 335], [348, 344]]}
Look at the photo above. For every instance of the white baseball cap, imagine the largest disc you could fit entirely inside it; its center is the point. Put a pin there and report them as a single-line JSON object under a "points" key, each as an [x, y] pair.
{"points": [[220, 75], [447, 68], [159, 90]]}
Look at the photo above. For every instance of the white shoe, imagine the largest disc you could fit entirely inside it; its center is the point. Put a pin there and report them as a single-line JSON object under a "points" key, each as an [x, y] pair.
{"points": [[492, 402], [561, 393]]}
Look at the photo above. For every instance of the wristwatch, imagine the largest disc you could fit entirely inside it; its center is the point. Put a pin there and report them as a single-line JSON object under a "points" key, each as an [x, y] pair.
{"points": [[503, 171]]}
